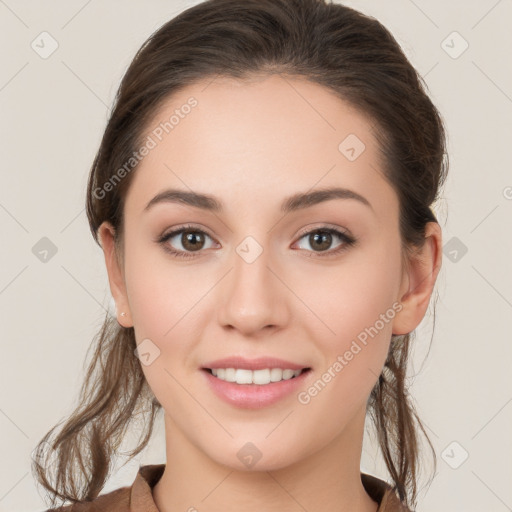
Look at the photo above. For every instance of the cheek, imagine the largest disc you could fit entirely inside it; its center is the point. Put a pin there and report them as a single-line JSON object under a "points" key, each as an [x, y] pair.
{"points": [[159, 293], [354, 295], [356, 306], [166, 308]]}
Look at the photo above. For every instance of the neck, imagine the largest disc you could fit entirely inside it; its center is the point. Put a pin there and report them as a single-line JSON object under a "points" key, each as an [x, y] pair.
{"points": [[327, 481]]}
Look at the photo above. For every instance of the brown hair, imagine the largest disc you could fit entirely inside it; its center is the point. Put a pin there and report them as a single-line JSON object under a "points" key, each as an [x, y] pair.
{"points": [[328, 44]]}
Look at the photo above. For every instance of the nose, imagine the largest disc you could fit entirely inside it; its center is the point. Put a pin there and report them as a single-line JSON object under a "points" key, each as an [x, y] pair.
{"points": [[252, 297]]}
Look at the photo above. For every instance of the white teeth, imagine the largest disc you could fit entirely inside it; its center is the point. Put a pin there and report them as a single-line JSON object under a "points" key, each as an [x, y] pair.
{"points": [[243, 377], [260, 377], [230, 375]]}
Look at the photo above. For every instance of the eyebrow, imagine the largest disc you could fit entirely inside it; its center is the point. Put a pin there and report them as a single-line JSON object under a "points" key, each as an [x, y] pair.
{"points": [[293, 203]]}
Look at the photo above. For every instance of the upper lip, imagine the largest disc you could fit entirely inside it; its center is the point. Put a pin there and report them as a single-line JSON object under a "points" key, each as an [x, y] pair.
{"points": [[253, 364]]}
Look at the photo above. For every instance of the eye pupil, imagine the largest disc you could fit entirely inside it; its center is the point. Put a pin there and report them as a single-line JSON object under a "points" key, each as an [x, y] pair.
{"points": [[322, 236], [192, 240]]}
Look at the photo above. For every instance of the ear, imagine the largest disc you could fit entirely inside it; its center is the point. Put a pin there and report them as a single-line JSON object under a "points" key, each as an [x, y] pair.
{"points": [[418, 281], [115, 273]]}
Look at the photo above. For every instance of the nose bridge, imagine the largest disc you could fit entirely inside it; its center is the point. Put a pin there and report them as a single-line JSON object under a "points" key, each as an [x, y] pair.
{"points": [[251, 260], [252, 296]]}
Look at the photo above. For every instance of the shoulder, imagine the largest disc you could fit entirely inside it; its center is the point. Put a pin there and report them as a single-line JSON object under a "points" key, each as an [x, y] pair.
{"points": [[114, 501], [138, 496]]}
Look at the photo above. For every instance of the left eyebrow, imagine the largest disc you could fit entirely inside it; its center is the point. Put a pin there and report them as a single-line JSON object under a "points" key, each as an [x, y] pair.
{"points": [[307, 199], [295, 202]]}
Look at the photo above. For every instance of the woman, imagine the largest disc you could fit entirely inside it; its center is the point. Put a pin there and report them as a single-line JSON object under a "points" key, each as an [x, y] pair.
{"points": [[262, 194]]}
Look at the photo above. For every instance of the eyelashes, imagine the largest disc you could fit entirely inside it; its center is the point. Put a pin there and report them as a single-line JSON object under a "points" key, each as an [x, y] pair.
{"points": [[321, 234], [184, 229]]}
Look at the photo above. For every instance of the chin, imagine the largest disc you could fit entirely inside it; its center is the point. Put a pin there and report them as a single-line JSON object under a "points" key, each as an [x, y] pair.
{"points": [[257, 456]]}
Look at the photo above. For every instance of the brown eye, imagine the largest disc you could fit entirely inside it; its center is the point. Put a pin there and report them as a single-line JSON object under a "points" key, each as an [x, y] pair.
{"points": [[185, 241], [320, 240], [192, 240]]}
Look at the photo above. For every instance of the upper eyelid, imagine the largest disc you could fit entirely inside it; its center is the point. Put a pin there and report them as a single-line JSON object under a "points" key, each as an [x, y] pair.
{"points": [[180, 229], [325, 225], [303, 232]]}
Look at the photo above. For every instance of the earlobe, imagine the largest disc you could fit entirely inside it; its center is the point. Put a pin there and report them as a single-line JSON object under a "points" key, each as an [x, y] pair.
{"points": [[106, 234], [419, 281]]}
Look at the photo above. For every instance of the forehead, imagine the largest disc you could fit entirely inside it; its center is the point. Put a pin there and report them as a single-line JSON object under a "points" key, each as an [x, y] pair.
{"points": [[258, 140]]}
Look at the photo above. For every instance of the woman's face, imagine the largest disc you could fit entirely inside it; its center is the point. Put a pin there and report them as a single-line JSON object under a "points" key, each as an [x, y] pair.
{"points": [[260, 276]]}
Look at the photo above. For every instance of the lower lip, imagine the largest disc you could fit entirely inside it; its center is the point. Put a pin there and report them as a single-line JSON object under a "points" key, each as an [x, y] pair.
{"points": [[254, 396]]}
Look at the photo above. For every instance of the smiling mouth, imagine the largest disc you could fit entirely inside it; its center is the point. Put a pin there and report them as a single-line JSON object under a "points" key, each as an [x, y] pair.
{"points": [[258, 377]]}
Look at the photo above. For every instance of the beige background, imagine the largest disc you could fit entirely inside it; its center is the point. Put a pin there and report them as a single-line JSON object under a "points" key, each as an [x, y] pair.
{"points": [[54, 110]]}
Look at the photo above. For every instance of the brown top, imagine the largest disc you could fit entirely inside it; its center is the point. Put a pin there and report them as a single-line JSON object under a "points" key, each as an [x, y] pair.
{"points": [[139, 498]]}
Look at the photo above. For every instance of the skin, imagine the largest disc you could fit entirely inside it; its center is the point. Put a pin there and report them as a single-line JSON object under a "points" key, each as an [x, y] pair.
{"points": [[252, 144]]}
